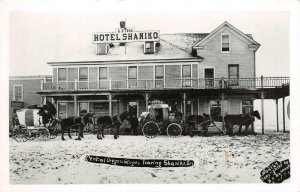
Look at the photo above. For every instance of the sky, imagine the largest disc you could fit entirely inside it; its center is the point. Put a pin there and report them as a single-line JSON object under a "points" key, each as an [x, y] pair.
{"points": [[38, 37]]}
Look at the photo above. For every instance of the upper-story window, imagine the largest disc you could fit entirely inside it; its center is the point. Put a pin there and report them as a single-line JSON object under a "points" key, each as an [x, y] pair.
{"points": [[18, 93], [186, 75], [83, 74], [149, 47], [132, 76], [225, 43], [103, 84], [159, 74], [62, 74]]}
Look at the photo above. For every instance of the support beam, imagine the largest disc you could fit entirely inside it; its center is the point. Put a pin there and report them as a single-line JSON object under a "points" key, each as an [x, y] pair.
{"points": [[262, 105], [222, 110], [137, 108], [283, 115], [277, 123], [262, 114], [75, 105], [147, 101], [110, 105], [198, 106], [184, 107], [118, 106]]}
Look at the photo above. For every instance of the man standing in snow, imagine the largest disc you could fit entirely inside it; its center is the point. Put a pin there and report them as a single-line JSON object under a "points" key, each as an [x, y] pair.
{"points": [[134, 124]]}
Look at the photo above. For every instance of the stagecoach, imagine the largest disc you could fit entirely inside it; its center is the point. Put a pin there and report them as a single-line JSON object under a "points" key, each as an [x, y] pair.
{"points": [[161, 120], [31, 127]]}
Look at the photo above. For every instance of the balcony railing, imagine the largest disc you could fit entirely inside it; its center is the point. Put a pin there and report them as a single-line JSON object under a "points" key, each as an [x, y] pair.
{"points": [[148, 84]]}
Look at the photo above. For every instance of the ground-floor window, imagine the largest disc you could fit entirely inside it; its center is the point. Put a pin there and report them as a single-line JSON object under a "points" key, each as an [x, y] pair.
{"points": [[65, 109], [247, 106], [83, 107], [215, 110], [62, 110]]}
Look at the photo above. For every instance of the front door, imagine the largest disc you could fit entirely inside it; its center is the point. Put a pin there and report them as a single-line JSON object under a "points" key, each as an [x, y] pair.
{"points": [[209, 77]]}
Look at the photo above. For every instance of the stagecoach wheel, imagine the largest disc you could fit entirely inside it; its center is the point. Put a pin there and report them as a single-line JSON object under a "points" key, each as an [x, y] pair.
{"points": [[31, 135], [174, 130], [20, 135], [43, 134], [150, 129]]}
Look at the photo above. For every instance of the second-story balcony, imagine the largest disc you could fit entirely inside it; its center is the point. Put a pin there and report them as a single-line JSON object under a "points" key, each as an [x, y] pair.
{"points": [[150, 84]]}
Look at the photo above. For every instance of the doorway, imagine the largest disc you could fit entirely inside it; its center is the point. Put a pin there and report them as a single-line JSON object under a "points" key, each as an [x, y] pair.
{"points": [[209, 75]]}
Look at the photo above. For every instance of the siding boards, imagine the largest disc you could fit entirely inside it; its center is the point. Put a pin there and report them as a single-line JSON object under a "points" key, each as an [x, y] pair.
{"points": [[239, 54], [54, 72], [203, 103], [172, 73], [145, 76], [235, 106], [118, 75], [194, 75], [93, 77], [72, 74]]}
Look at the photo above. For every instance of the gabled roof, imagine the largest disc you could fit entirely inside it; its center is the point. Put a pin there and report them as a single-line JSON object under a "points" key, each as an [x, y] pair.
{"points": [[172, 46], [247, 37]]}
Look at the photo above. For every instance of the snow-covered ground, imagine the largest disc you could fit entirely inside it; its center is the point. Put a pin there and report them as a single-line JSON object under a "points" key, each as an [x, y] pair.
{"points": [[219, 159]]}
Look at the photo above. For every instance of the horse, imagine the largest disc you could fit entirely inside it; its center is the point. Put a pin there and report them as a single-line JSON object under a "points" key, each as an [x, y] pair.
{"points": [[240, 119], [108, 122], [204, 120], [77, 123]]}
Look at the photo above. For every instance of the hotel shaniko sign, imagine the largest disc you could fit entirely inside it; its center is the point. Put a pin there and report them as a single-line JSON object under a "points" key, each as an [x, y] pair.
{"points": [[125, 37]]}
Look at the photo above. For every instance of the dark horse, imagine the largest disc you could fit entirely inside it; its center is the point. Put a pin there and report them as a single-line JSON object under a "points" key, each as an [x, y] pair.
{"points": [[240, 120], [77, 123], [195, 120], [114, 122]]}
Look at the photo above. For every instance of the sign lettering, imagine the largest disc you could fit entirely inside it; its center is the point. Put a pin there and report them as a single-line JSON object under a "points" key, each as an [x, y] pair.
{"points": [[151, 163], [126, 37]]}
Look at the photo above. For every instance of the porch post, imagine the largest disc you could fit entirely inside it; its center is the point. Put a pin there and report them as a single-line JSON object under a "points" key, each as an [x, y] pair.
{"points": [[42, 85], [184, 107], [283, 115], [110, 105], [262, 113], [277, 115], [198, 105], [137, 108], [222, 110], [75, 105], [147, 101], [118, 106], [262, 107]]}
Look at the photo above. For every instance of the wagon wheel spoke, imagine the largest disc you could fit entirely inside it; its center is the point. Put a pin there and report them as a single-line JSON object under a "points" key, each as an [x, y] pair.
{"points": [[30, 135], [20, 135], [150, 130], [18, 138], [43, 134], [174, 130]]}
